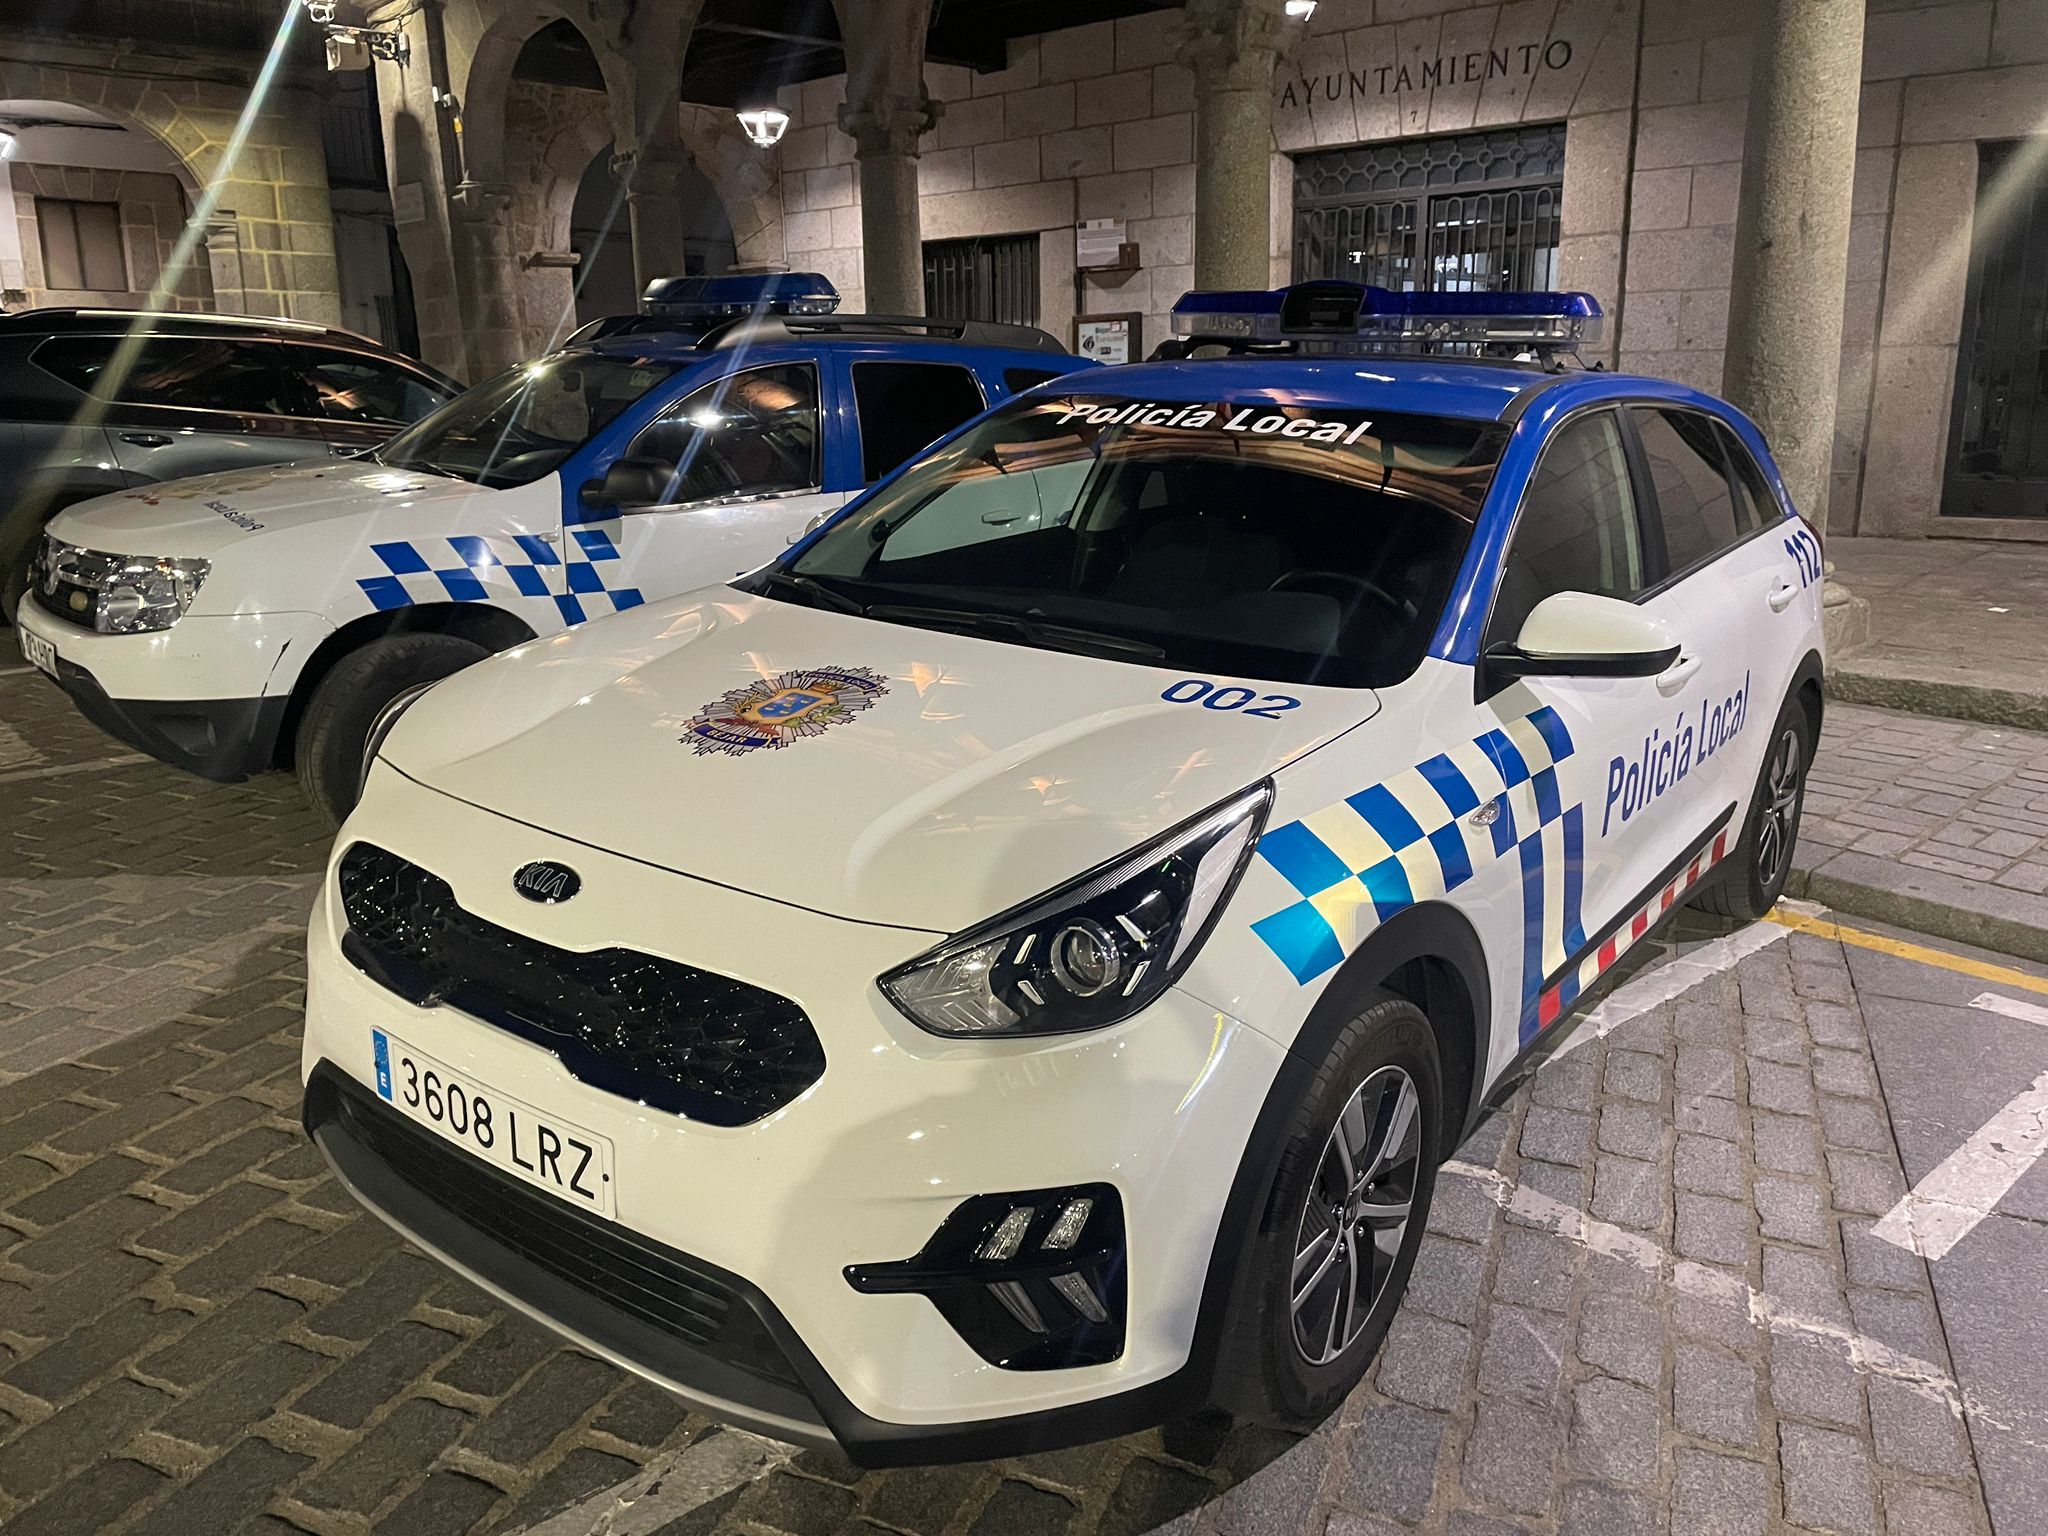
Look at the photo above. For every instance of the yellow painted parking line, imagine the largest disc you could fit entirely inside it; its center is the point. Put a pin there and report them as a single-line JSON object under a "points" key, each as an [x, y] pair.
{"points": [[1983, 970]]}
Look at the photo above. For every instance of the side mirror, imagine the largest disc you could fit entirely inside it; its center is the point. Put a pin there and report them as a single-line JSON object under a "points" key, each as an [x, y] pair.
{"points": [[1578, 634], [629, 483], [817, 521]]}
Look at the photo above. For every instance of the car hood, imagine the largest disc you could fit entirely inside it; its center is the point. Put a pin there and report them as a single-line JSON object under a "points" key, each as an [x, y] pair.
{"points": [[948, 778], [208, 513]]}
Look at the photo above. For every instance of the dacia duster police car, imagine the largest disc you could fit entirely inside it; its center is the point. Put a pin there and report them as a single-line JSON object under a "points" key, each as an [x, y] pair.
{"points": [[1008, 971], [232, 621]]}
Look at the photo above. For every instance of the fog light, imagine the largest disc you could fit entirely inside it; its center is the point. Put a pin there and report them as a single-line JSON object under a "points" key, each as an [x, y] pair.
{"points": [[1031, 1281]]}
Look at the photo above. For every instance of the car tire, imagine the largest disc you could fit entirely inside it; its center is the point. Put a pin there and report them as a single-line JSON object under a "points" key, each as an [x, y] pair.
{"points": [[1300, 1335], [345, 704], [1751, 881]]}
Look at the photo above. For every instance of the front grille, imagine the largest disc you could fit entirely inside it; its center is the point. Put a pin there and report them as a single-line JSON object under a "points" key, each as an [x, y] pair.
{"points": [[665, 1034], [67, 581], [476, 1212]]}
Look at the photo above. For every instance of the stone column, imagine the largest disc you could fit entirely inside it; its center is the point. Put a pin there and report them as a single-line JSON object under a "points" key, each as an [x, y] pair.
{"points": [[887, 110], [1792, 251], [885, 135], [655, 210], [1231, 46], [486, 273]]}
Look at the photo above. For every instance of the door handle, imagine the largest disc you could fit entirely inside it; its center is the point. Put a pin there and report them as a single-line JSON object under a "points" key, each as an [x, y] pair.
{"points": [[1678, 674], [1780, 597], [146, 439]]}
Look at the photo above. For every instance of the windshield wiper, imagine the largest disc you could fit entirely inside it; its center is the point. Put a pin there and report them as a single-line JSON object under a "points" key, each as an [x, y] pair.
{"points": [[821, 596], [1050, 637]]}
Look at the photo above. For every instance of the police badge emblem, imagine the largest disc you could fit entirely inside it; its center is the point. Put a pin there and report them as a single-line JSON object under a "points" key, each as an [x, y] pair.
{"points": [[777, 710]]}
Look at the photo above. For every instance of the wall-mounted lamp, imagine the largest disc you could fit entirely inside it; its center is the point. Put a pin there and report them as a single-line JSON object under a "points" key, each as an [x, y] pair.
{"points": [[765, 125], [1300, 10]]}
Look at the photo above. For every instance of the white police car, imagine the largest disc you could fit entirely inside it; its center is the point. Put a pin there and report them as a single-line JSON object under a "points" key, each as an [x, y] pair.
{"points": [[232, 621], [1007, 972]]}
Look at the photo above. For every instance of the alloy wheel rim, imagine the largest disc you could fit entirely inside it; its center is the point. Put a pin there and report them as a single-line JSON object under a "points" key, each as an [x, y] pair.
{"points": [[1356, 1214], [1778, 823]]}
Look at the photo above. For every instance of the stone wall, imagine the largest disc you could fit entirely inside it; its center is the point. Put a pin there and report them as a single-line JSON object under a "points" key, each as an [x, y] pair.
{"points": [[1097, 121], [270, 249], [153, 214]]}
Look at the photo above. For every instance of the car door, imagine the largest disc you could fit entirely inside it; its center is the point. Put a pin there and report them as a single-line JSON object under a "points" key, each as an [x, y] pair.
{"points": [[729, 476], [190, 405], [1739, 593], [1617, 793]]}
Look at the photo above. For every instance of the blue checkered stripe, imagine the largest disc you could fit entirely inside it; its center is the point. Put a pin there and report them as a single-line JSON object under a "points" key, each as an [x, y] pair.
{"points": [[1356, 863], [416, 571]]}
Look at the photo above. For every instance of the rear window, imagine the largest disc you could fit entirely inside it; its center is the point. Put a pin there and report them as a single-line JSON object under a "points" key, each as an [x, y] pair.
{"points": [[1281, 542], [907, 406]]}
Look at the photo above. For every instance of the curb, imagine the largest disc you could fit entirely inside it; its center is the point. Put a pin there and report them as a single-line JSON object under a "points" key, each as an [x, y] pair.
{"points": [[1918, 903], [1924, 696]]}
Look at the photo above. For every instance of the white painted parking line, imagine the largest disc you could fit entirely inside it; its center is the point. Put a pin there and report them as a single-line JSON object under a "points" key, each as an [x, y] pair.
{"points": [[15, 671], [1677, 976], [1865, 1353], [2011, 1007], [1945, 1207], [669, 1487]]}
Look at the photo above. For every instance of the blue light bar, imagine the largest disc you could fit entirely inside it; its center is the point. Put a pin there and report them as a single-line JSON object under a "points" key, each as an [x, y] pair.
{"points": [[740, 293], [1332, 316]]}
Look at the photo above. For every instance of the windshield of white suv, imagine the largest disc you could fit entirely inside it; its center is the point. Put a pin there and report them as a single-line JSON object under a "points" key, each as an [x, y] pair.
{"points": [[1289, 543], [521, 425]]}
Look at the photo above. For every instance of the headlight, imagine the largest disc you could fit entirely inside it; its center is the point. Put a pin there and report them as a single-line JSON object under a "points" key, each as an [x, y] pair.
{"points": [[117, 594], [1097, 949]]}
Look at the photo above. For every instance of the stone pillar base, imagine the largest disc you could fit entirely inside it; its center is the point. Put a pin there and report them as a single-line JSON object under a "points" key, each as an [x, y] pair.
{"points": [[1844, 620]]}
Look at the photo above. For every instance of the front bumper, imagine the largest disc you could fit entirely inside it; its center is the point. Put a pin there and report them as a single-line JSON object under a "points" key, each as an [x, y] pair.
{"points": [[160, 691], [861, 1169]]}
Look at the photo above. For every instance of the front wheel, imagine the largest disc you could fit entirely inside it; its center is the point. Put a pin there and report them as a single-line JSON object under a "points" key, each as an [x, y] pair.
{"points": [[1754, 876], [1342, 1225], [335, 728]]}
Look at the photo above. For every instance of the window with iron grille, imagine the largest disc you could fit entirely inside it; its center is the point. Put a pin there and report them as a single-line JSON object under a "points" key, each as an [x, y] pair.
{"points": [[1465, 212], [991, 277], [81, 245]]}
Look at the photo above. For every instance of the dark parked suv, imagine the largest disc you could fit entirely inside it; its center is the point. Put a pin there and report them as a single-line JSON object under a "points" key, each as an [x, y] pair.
{"points": [[201, 393]]}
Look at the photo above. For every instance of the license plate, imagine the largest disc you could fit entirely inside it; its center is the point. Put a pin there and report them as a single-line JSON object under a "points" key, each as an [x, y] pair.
{"points": [[37, 651], [530, 1144]]}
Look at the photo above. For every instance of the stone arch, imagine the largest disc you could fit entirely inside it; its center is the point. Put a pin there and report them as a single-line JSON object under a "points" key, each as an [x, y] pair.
{"points": [[551, 141], [748, 181], [269, 246], [491, 38]]}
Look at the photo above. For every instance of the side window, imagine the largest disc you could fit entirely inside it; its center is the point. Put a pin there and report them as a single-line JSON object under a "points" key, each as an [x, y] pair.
{"points": [[1578, 530], [747, 434], [1755, 505], [348, 386], [904, 407], [1695, 505], [198, 372]]}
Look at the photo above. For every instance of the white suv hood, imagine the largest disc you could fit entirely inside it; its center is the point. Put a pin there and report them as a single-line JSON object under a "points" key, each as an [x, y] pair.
{"points": [[207, 514], [984, 773]]}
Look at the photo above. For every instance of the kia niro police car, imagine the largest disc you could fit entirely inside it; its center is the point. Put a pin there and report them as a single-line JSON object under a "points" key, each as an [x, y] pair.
{"points": [[234, 621], [1007, 971]]}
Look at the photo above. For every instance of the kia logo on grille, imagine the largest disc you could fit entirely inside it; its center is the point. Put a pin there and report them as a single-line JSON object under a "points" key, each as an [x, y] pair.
{"points": [[546, 882]]}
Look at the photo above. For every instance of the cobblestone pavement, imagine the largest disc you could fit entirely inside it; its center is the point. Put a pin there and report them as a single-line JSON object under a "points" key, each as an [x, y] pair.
{"points": [[1649, 1301], [1924, 821]]}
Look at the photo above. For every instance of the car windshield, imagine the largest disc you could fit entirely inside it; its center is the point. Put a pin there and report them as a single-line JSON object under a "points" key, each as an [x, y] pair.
{"points": [[1258, 538], [521, 425]]}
